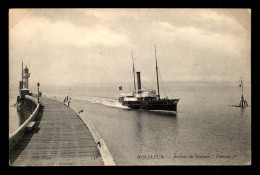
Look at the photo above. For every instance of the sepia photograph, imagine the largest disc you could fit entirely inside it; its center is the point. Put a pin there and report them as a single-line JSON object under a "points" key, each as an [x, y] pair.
{"points": [[129, 87]]}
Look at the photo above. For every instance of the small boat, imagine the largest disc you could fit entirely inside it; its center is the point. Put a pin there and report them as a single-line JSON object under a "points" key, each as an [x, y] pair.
{"points": [[147, 99]]}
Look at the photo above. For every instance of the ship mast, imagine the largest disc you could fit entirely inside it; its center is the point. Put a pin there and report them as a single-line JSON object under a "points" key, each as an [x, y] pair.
{"points": [[241, 84], [157, 73], [133, 70], [22, 75]]}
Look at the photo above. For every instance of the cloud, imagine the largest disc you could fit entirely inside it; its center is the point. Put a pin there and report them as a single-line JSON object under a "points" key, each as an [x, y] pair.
{"points": [[198, 54], [53, 49], [63, 32], [196, 38], [94, 45]]}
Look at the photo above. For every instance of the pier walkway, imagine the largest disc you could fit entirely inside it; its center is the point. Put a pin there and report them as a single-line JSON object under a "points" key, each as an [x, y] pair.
{"points": [[60, 138]]}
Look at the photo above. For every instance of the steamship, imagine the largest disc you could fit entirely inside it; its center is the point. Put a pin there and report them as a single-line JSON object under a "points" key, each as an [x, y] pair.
{"points": [[147, 99]]}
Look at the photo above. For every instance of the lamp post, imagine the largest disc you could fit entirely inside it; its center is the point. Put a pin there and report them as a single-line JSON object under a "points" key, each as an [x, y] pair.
{"points": [[38, 84]]}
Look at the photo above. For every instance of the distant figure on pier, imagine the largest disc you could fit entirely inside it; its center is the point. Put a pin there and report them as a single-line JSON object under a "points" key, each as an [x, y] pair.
{"points": [[80, 111], [65, 100], [69, 101]]}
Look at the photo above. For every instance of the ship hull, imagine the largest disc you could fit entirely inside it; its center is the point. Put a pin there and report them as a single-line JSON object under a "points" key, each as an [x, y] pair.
{"points": [[166, 105]]}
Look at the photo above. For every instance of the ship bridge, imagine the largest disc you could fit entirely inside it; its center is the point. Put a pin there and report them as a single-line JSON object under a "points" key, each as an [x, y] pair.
{"points": [[145, 93]]}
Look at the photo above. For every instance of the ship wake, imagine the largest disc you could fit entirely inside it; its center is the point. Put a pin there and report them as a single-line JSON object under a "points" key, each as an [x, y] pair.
{"points": [[104, 101]]}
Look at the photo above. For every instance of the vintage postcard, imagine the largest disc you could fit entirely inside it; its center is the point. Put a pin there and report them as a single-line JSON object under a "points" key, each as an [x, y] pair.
{"points": [[125, 87]]}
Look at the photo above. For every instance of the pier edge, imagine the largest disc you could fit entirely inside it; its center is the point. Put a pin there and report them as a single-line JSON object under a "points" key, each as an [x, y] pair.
{"points": [[103, 149]]}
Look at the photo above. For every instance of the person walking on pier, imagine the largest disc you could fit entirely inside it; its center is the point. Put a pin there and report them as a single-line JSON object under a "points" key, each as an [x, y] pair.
{"points": [[65, 100], [69, 101]]}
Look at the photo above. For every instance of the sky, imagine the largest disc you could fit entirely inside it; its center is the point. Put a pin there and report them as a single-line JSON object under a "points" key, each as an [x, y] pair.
{"points": [[83, 46]]}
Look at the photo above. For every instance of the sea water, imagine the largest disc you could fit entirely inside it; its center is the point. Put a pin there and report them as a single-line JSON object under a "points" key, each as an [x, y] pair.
{"points": [[207, 129]]}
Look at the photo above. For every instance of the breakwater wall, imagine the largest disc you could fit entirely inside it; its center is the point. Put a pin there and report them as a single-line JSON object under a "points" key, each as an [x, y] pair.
{"points": [[103, 149], [32, 104]]}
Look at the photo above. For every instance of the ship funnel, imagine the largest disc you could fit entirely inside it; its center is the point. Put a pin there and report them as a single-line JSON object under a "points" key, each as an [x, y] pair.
{"points": [[138, 80]]}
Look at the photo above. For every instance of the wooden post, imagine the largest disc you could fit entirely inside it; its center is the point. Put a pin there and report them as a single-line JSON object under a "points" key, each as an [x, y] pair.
{"points": [[243, 102]]}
